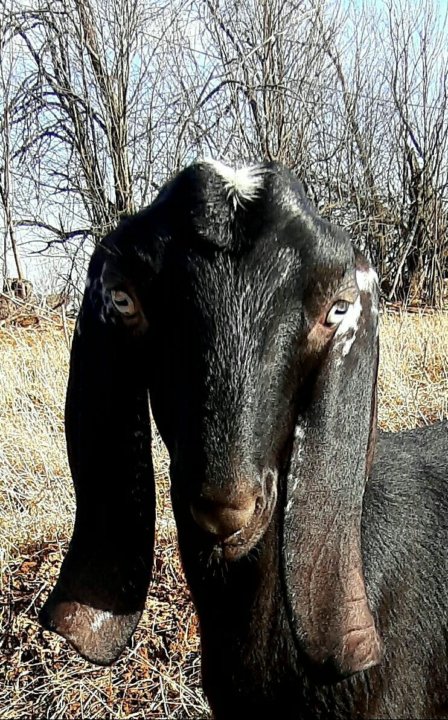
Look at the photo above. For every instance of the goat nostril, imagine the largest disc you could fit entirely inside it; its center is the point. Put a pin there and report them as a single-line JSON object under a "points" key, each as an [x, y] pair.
{"points": [[224, 519]]}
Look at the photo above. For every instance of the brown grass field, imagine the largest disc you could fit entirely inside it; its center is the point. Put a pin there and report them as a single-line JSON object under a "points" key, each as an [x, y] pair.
{"points": [[159, 676]]}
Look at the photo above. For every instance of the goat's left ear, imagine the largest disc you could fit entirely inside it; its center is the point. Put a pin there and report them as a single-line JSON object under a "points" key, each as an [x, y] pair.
{"points": [[330, 463], [99, 596]]}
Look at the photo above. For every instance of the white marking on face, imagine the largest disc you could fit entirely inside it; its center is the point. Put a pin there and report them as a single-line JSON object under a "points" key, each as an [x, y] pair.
{"points": [[345, 335], [100, 618], [347, 346], [242, 184], [297, 458], [299, 432], [285, 257], [367, 280], [292, 481]]}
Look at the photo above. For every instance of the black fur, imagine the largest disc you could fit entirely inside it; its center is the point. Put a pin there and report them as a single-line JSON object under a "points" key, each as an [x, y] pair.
{"points": [[252, 667]]}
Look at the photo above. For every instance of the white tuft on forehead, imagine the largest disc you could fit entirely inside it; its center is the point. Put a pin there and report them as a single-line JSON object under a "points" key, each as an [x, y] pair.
{"points": [[242, 184]]}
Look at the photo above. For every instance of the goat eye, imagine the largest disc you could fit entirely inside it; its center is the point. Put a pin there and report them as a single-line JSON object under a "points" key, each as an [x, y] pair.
{"points": [[337, 312], [123, 302]]}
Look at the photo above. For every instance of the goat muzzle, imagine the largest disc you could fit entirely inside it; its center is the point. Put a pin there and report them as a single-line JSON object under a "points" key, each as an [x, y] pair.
{"points": [[224, 519], [233, 521]]}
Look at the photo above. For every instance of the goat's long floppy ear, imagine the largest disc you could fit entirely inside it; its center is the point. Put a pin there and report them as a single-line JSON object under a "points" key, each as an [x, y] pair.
{"points": [[332, 451], [99, 596]]}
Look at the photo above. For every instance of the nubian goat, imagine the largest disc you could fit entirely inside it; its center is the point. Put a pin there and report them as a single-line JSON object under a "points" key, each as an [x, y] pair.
{"points": [[316, 553]]}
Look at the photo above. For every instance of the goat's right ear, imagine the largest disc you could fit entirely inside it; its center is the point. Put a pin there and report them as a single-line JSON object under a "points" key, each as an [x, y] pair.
{"points": [[99, 596]]}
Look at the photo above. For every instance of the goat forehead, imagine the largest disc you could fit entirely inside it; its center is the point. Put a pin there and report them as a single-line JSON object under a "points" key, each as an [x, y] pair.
{"points": [[239, 294], [253, 277], [269, 280]]}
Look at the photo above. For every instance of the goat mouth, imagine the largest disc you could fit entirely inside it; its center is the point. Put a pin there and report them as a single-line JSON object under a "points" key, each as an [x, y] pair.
{"points": [[240, 543]]}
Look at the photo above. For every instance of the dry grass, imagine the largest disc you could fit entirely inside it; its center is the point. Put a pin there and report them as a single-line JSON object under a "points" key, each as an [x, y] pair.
{"points": [[159, 676], [413, 375]]}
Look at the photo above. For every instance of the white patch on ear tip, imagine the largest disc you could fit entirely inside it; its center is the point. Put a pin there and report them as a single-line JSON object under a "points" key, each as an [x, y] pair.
{"points": [[242, 184], [100, 618]]}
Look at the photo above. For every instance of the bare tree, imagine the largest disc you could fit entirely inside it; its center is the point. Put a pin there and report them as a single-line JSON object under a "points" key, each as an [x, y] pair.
{"points": [[419, 85], [112, 98], [7, 196]]}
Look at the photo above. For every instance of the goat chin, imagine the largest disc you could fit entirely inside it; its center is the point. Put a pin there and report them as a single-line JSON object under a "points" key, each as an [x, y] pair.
{"points": [[315, 549]]}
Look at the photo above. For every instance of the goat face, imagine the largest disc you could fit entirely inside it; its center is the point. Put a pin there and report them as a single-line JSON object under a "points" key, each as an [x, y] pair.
{"points": [[253, 323]]}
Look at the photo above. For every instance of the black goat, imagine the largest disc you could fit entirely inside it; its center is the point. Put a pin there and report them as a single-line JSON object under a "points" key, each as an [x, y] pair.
{"points": [[317, 561]]}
